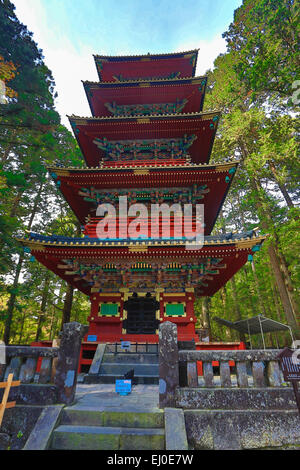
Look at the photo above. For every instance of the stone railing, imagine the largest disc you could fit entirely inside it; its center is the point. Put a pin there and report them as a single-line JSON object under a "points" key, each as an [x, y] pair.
{"points": [[22, 361], [178, 369], [257, 368], [241, 404], [58, 366]]}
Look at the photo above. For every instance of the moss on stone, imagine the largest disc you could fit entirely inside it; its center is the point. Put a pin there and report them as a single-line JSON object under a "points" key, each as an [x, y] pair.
{"points": [[133, 420]]}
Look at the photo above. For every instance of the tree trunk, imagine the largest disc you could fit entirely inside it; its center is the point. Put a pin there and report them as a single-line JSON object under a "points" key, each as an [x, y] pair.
{"points": [[43, 305], [280, 277], [13, 295], [250, 286], [285, 297], [280, 313], [12, 300], [54, 308], [260, 298], [15, 204], [35, 205], [9, 147], [51, 323], [206, 315], [67, 305], [236, 306], [66, 316], [282, 187], [288, 282], [285, 300], [22, 327], [223, 294], [6, 153]]}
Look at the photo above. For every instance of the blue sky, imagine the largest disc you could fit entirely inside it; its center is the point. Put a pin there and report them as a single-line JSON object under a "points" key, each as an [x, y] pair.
{"points": [[70, 31]]}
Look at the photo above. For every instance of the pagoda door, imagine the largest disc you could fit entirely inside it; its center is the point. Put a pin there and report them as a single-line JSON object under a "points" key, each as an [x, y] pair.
{"points": [[141, 315]]}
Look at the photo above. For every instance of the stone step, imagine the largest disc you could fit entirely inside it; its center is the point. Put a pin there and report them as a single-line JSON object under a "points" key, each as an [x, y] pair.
{"points": [[107, 438], [111, 418], [131, 358], [121, 369], [111, 379]]}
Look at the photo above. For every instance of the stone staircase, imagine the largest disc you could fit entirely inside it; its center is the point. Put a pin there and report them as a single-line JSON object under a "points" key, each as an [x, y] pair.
{"points": [[89, 429], [102, 420], [113, 365]]}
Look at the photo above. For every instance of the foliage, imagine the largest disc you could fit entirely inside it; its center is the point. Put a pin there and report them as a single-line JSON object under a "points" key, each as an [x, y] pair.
{"points": [[250, 83], [265, 35], [31, 138]]}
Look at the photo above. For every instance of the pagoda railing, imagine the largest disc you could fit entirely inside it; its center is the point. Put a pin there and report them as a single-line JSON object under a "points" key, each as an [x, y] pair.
{"points": [[145, 109], [255, 368], [55, 366], [121, 78], [186, 161], [180, 370], [29, 363]]}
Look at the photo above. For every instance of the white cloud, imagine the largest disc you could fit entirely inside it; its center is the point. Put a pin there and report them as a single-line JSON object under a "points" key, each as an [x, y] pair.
{"points": [[68, 65], [209, 51]]}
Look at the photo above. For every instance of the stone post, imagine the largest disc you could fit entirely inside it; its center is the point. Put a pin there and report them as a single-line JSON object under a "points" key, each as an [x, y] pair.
{"points": [[168, 364], [68, 361]]}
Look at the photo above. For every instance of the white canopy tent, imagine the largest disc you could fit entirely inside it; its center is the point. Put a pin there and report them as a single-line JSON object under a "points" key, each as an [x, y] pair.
{"points": [[256, 325]]}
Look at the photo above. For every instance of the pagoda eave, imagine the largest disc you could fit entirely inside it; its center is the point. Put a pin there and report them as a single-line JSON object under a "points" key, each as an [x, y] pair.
{"points": [[78, 185], [221, 259], [150, 65], [201, 127], [167, 92]]}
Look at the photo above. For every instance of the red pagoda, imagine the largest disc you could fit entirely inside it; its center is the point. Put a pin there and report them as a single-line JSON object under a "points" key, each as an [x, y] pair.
{"points": [[148, 140]]}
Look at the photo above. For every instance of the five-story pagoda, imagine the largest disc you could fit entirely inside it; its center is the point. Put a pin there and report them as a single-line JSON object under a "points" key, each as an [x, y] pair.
{"points": [[147, 141]]}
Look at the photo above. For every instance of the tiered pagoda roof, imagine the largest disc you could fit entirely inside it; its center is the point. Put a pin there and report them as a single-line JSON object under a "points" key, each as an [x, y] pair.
{"points": [[147, 66], [147, 139]]}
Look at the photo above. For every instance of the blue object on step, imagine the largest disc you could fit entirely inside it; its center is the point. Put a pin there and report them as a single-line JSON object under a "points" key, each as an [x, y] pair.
{"points": [[123, 387]]}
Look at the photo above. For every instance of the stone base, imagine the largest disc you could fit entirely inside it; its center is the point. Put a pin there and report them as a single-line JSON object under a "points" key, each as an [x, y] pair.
{"points": [[237, 430], [280, 398]]}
